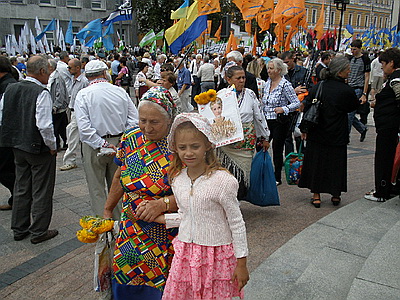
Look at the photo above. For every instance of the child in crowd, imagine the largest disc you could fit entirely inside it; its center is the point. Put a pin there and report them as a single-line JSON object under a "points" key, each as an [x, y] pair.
{"points": [[211, 247]]}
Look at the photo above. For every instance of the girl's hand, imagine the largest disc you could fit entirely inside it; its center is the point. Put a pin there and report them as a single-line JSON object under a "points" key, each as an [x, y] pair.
{"points": [[279, 110], [148, 211], [241, 274]]}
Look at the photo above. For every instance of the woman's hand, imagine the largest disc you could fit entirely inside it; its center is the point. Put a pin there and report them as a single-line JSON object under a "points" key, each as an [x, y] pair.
{"points": [[279, 110], [107, 214], [265, 145], [148, 211], [241, 274]]}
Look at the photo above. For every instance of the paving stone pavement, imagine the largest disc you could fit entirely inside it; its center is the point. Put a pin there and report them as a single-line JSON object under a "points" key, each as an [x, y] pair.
{"points": [[62, 268]]}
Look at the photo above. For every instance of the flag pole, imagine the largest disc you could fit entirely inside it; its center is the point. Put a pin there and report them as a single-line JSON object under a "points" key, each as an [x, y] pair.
{"points": [[184, 57]]}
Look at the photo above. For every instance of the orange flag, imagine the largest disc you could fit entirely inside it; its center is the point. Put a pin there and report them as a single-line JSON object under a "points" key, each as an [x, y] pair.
{"points": [[264, 14], [247, 26], [319, 26], [231, 45], [248, 8], [209, 22], [254, 50], [207, 7], [218, 32]]}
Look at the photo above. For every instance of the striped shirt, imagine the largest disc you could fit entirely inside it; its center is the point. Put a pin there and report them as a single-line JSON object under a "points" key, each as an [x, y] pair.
{"points": [[282, 96]]}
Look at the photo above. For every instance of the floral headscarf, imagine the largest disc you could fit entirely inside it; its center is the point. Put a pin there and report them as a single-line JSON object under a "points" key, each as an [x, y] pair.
{"points": [[200, 122], [162, 97]]}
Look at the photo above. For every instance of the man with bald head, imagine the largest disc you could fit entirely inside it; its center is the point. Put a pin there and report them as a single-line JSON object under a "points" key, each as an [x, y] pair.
{"points": [[79, 82], [27, 127]]}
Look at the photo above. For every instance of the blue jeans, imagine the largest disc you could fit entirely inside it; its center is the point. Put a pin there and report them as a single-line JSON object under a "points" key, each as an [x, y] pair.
{"points": [[353, 120]]}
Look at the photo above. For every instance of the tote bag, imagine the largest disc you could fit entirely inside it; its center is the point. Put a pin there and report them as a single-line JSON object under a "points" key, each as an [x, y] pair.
{"points": [[293, 166], [262, 191]]}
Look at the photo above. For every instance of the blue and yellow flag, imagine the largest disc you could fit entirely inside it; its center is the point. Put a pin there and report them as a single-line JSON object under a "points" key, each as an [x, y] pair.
{"points": [[93, 28], [186, 30], [348, 32], [51, 26], [181, 12]]}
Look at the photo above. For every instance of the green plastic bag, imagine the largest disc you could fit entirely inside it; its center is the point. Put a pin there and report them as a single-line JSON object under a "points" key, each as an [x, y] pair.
{"points": [[293, 166]]}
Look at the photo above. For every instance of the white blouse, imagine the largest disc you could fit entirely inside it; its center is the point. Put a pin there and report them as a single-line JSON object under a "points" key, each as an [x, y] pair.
{"points": [[209, 212]]}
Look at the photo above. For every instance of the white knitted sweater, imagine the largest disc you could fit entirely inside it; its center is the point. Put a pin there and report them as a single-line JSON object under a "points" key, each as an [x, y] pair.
{"points": [[209, 212]]}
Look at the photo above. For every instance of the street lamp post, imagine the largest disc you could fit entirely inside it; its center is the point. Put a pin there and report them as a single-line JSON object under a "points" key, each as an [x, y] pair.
{"points": [[341, 5]]}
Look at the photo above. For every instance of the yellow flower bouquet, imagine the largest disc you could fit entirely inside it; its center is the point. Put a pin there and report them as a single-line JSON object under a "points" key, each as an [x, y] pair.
{"points": [[92, 227], [206, 97]]}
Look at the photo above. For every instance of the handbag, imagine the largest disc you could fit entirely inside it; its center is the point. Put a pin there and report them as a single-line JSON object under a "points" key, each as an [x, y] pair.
{"points": [[262, 190], [104, 252], [311, 116], [293, 166]]}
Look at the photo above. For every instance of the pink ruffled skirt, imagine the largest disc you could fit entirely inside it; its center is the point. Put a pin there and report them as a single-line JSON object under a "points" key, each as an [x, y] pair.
{"points": [[201, 272]]}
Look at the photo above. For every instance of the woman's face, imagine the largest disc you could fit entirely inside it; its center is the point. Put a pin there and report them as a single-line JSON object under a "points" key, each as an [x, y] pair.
{"points": [[153, 124], [217, 109], [238, 79], [387, 68], [273, 72], [145, 69], [345, 73]]}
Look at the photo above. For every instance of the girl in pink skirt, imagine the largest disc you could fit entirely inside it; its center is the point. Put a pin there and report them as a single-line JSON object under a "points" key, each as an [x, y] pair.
{"points": [[211, 247]]}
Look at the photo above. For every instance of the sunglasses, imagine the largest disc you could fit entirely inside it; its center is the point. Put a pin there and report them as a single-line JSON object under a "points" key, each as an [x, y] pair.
{"points": [[69, 67], [163, 70]]}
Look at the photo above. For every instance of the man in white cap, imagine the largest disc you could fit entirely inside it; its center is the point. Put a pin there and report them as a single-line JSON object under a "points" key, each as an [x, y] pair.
{"points": [[103, 112]]}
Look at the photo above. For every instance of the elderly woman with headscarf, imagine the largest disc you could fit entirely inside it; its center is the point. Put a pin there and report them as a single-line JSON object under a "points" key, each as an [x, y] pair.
{"points": [[325, 163], [237, 157], [143, 250]]}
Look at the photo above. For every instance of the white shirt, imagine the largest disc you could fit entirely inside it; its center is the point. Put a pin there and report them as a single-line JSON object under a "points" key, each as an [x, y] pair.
{"points": [[101, 109], [77, 84], [251, 111], [62, 68], [209, 212], [206, 72], [157, 71], [376, 68], [43, 115]]}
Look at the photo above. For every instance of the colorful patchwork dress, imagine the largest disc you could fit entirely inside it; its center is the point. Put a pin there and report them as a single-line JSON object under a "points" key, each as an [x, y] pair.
{"points": [[144, 251]]}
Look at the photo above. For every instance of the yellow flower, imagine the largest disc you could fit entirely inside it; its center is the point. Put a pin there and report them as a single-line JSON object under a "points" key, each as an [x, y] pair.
{"points": [[87, 221], [212, 95], [103, 225], [205, 97], [87, 236]]}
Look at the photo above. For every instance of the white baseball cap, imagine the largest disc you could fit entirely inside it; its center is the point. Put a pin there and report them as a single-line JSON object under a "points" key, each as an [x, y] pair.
{"points": [[95, 66]]}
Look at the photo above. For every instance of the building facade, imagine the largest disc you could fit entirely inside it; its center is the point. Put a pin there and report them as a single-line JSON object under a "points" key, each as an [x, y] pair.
{"points": [[360, 14], [14, 14]]}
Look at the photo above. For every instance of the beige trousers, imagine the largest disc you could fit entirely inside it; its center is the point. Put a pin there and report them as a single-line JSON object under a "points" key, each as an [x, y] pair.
{"points": [[99, 172]]}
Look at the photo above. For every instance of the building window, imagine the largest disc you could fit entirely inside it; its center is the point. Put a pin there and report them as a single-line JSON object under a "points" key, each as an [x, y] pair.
{"points": [[350, 19], [380, 22], [332, 19], [366, 21], [358, 24], [386, 22], [17, 1], [17, 30], [72, 3], [45, 2], [97, 4], [375, 21], [314, 16]]}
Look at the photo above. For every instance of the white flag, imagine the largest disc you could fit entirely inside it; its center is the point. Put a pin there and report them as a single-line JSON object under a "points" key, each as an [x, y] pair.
{"points": [[8, 45], [57, 34], [14, 45], [33, 42], [61, 40], [46, 44], [38, 28], [51, 47]]}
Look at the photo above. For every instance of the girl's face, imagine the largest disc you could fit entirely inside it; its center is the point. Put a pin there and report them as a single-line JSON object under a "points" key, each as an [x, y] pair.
{"points": [[166, 84], [217, 110], [153, 123], [238, 79], [191, 147], [272, 71]]}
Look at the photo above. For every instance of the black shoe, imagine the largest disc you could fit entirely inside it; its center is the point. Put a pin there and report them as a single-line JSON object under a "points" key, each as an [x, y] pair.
{"points": [[20, 237], [47, 236], [363, 134], [6, 207]]}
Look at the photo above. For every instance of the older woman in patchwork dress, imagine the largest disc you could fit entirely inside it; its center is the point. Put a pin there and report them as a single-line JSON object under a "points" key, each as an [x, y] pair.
{"points": [[143, 250]]}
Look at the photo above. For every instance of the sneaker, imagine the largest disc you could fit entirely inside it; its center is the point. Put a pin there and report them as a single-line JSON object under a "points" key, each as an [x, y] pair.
{"points": [[371, 197], [47, 236], [68, 167], [363, 134]]}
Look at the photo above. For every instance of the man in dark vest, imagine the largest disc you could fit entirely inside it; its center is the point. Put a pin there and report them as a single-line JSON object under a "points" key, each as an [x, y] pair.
{"points": [[26, 126], [7, 166]]}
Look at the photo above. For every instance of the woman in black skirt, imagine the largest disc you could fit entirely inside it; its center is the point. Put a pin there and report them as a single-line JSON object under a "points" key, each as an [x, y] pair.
{"points": [[325, 163]]}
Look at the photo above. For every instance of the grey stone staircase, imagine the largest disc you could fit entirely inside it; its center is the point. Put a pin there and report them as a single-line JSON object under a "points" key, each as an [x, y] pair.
{"points": [[353, 253]]}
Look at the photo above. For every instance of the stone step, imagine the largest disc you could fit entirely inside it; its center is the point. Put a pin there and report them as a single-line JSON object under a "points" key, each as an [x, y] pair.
{"points": [[379, 278], [322, 261]]}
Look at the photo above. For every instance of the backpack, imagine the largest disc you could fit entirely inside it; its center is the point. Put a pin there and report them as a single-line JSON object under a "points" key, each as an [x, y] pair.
{"points": [[126, 80]]}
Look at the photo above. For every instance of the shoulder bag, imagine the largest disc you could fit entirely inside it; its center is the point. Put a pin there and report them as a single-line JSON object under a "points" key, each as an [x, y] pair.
{"points": [[311, 116]]}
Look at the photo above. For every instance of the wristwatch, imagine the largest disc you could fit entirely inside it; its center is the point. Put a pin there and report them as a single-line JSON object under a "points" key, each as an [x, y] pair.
{"points": [[365, 94], [166, 201]]}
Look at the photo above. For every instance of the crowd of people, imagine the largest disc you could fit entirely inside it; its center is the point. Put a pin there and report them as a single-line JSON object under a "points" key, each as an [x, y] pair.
{"points": [[150, 160]]}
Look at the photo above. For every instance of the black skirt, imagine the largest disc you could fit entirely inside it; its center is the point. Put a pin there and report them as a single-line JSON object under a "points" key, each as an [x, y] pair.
{"points": [[324, 169]]}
